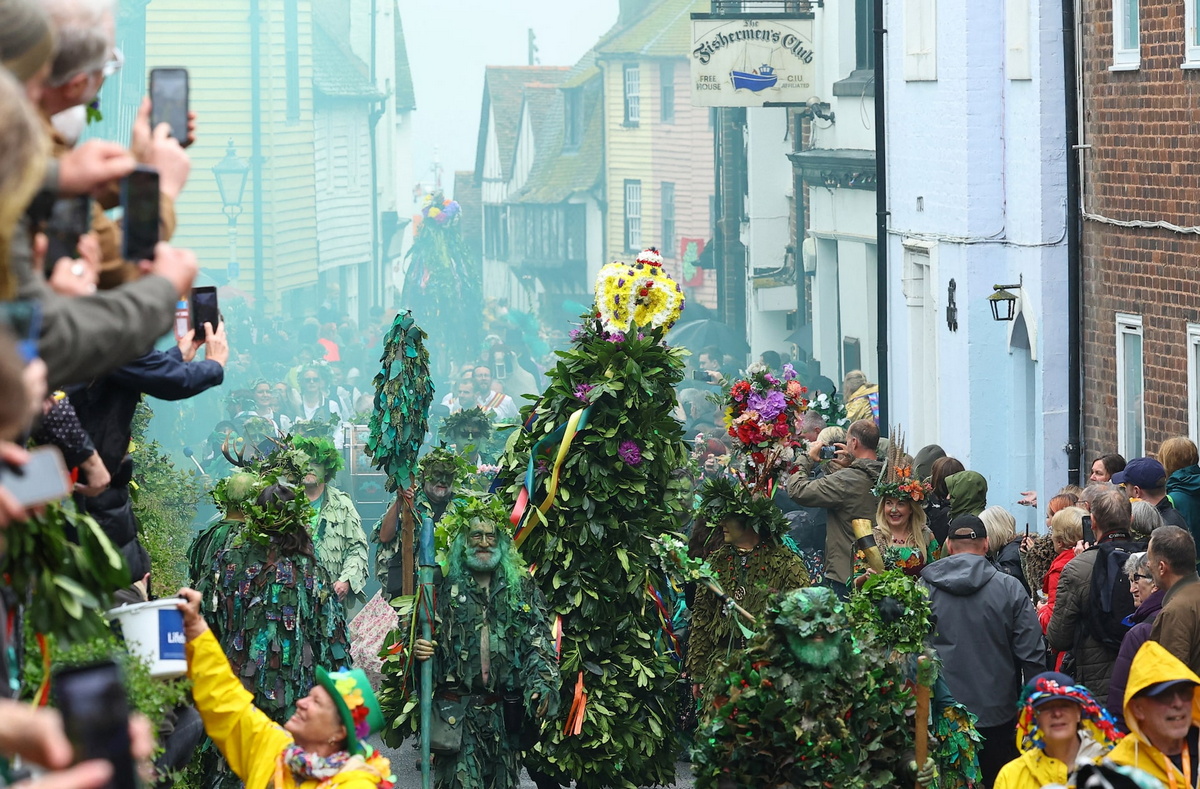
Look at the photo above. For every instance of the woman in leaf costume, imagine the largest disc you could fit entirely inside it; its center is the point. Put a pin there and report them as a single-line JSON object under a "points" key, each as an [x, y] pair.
{"points": [[752, 567], [807, 704], [269, 601]]}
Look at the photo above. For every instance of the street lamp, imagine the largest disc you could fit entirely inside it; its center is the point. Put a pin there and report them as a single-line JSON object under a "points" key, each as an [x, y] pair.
{"points": [[1003, 302], [231, 173]]}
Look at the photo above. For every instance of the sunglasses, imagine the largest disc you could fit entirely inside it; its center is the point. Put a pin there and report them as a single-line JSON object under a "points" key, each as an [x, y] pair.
{"points": [[311, 380]]}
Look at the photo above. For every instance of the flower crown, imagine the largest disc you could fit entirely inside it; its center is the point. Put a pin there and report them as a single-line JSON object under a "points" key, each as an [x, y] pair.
{"points": [[639, 294], [1098, 721], [896, 480]]}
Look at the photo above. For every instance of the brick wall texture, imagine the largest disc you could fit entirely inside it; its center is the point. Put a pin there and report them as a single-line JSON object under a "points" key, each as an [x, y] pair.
{"points": [[1143, 164]]}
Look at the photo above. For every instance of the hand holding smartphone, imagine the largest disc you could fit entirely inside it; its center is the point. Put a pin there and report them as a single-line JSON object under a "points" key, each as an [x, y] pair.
{"points": [[139, 202], [40, 481], [204, 309], [95, 714], [169, 101]]}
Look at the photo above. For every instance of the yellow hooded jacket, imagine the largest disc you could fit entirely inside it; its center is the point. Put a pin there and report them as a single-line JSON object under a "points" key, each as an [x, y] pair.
{"points": [[1153, 664], [1034, 769], [251, 742]]}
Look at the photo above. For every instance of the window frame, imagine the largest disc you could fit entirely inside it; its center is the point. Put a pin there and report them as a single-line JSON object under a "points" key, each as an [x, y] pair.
{"points": [[572, 119], [633, 220], [1129, 325], [669, 238], [1124, 58], [1191, 34], [666, 91], [632, 93], [1193, 380], [864, 35]]}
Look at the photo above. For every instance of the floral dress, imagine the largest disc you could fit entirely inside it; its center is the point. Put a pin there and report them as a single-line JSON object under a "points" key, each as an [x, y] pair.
{"points": [[898, 557]]}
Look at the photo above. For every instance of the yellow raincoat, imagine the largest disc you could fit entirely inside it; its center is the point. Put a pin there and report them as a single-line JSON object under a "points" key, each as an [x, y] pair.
{"points": [[1153, 664], [1034, 769], [252, 743]]}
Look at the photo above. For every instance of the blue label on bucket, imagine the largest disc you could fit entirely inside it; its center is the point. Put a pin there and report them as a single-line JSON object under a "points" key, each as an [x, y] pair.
{"points": [[170, 635]]}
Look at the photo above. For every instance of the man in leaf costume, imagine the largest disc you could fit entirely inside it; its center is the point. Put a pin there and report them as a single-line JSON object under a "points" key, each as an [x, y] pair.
{"points": [[268, 599], [590, 508], [807, 704], [752, 566], [336, 527], [493, 657]]}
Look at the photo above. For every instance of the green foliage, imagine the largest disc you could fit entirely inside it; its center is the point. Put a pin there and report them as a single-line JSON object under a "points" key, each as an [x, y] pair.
{"points": [[403, 394], [807, 704], [68, 581], [895, 608], [594, 554], [164, 501]]}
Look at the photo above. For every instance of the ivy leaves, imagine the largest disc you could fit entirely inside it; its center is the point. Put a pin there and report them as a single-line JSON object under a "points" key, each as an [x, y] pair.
{"points": [[403, 394]]}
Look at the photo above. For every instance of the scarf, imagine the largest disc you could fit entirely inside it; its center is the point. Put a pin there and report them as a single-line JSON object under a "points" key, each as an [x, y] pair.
{"points": [[307, 766]]}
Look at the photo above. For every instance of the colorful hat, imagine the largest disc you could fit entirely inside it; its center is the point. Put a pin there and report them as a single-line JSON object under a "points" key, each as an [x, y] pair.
{"points": [[356, 703], [896, 479], [1055, 686]]}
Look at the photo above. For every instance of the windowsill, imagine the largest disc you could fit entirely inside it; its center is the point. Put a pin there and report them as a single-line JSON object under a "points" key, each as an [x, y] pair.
{"points": [[1190, 65], [861, 82], [1134, 66], [631, 124]]}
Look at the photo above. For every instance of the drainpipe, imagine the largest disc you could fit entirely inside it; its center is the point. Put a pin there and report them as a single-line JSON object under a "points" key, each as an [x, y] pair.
{"points": [[881, 218], [256, 154], [1074, 238]]}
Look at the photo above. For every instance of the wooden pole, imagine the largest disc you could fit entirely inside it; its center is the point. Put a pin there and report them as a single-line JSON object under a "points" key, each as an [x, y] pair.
{"points": [[407, 546], [425, 612], [922, 744]]}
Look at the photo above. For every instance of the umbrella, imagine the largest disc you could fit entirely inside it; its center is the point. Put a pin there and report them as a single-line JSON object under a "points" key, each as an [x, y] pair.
{"points": [[699, 335]]}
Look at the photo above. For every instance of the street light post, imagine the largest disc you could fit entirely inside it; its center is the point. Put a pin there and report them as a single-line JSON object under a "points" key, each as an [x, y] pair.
{"points": [[231, 173]]}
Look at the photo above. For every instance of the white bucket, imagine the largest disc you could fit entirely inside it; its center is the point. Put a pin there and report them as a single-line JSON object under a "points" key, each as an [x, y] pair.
{"points": [[154, 632]]}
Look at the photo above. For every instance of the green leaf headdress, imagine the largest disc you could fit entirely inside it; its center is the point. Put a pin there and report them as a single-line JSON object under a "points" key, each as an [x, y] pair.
{"points": [[463, 512], [441, 461], [726, 497], [322, 452]]}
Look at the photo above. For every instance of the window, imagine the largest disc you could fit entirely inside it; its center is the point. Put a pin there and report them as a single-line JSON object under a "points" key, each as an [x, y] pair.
{"points": [[1193, 352], [1126, 35], [633, 216], [572, 118], [1191, 33], [920, 40], [864, 35], [633, 99], [1131, 411], [668, 220], [666, 84], [495, 232]]}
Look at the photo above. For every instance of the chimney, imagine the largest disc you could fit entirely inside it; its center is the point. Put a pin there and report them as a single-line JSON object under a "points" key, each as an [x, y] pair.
{"points": [[631, 11]]}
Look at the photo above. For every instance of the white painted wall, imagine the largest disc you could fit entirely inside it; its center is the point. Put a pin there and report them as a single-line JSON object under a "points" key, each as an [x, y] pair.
{"points": [[975, 169], [767, 233]]}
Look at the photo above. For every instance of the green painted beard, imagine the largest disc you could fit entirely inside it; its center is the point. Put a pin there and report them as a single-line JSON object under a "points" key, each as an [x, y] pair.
{"points": [[473, 561], [816, 652]]}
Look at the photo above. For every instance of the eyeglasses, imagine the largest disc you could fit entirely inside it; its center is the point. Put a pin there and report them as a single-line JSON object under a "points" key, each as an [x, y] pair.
{"points": [[311, 379], [484, 538], [1140, 577], [114, 63]]}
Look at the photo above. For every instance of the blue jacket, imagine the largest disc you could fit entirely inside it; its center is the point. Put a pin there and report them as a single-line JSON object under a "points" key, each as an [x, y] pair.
{"points": [[1183, 489]]}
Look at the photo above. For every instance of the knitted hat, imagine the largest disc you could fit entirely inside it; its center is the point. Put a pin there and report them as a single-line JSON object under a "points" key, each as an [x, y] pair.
{"points": [[26, 37], [356, 703]]}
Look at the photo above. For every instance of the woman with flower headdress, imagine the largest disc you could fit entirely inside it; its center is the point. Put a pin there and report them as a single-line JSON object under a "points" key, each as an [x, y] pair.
{"points": [[1060, 728], [900, 532]]}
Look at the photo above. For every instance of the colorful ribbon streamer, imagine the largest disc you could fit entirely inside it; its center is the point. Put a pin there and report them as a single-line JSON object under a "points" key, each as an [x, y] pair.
{"points": [[522, 516], [574, 724], [664, 620], [42, 697], [558, 636]]}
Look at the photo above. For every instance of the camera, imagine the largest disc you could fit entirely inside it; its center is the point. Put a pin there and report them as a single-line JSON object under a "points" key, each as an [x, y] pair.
{"points": [[828, 452]]}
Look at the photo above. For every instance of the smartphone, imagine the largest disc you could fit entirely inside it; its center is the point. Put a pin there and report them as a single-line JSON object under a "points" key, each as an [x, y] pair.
{"points": [[42, 480], [95, 713], [203, 309], [701, 375], [139, 201], [70, 218], [828, 452], [169, 101], [24, 320], [1088, 537]]}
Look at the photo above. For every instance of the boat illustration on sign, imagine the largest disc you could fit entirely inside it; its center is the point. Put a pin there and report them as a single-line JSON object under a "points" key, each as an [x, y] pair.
{"points": [[760, 78]]}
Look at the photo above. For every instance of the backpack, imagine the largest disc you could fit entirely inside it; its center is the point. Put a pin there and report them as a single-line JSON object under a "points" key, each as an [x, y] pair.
{"points": [[1109, 598]]}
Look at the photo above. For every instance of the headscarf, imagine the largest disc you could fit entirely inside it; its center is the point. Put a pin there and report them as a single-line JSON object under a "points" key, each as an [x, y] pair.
{"points": [[968, 493], [1097, 721]]}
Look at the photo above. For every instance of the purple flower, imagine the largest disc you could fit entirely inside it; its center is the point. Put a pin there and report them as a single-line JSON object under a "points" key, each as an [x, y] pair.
{"points": [[789, 372], [769, 406], [630, 452], [583, 392], [542, 467], [772, 380], [615, 336], [575, 334]]}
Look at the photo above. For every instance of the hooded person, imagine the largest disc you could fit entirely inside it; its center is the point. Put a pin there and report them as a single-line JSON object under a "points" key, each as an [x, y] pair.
{"points": [[968, 493], [1181, 461], [1162, 711], [923, 462], [1060, 728]]}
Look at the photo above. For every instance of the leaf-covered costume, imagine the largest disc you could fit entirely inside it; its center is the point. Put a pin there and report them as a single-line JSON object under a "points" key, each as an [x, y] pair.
{"points": [[340, 543], [277, 619], [898, 557], [386, 553], [752, 579], [521, 661]]}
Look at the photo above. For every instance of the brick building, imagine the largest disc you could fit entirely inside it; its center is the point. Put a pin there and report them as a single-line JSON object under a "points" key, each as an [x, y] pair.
{"points": [[1140, 105]]}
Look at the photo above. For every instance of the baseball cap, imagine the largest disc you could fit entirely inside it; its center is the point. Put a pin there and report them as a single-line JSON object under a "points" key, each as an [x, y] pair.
{"points": [[1146, 473], [964, 522], [1051, 686], [1159, 688]]}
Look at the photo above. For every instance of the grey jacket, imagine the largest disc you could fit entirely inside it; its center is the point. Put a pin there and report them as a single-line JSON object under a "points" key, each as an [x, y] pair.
{"points": [[86, 337], [986, 633], [846, 494]]}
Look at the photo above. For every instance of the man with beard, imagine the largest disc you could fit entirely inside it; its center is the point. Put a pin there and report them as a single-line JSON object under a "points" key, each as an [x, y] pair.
{"points": [[493, 666], [337, 533], [752, 567], [438, 472]]}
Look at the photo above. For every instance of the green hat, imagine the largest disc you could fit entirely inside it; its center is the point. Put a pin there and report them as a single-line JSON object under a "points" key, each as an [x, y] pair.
{"points": [[356, 703]]}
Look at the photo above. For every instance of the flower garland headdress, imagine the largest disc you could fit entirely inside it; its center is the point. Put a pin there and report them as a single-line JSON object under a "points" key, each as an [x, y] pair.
{"points": [[896, 480], [1098, 721]]}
